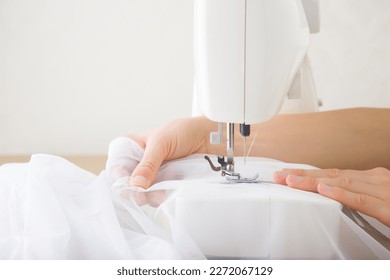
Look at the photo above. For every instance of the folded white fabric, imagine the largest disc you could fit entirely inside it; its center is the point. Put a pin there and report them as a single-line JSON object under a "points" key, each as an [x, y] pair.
{"points": [[52, 209]]}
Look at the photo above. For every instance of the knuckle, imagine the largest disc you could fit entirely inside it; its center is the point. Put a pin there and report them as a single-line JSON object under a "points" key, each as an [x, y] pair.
{"points": [[293, 171], [313, 182], [344, 182], [299, 172], [334, 172], [361, 199], [149, 165], [380, 171], [382, 175]]}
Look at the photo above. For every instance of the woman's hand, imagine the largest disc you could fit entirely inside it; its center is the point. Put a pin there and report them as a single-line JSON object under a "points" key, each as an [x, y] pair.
{"points": [[365, 191], [176, 139]]}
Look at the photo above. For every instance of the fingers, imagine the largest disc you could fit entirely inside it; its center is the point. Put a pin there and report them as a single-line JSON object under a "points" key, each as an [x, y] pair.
{"points": [[299, 182], [356, 181], [153, 198], [366, 204], [139, 197], [365, 176], [365, 191], [146, 171], [156, 198], [307, 183]]}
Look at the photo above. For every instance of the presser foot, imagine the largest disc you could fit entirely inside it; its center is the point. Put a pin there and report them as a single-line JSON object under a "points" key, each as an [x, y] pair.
{"points": [[236, 178], [231, 176]]}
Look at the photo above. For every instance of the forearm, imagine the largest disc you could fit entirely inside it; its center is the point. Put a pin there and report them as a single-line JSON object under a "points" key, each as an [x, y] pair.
{"points": [[346, 139]]}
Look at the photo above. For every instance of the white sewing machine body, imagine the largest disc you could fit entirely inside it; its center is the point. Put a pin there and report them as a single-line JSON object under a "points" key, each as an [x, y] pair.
{"points": [[246, 56]]}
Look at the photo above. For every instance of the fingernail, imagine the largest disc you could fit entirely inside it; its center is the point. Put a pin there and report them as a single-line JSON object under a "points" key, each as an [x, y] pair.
{"points": [[155, 201], [322, 188], [294, 179], [140, 198], [138, 181], [280, 175]]}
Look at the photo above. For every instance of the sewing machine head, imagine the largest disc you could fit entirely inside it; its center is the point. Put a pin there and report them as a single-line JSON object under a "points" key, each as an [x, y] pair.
{"points": [[247, 54]]}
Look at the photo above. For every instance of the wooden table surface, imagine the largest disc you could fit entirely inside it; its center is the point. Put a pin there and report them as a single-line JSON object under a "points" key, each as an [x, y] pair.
{"points": [[92, 163]]}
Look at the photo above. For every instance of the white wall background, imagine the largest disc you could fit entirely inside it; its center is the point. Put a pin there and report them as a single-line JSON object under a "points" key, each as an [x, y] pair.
{"points": [[351, 54], [75, 74]]}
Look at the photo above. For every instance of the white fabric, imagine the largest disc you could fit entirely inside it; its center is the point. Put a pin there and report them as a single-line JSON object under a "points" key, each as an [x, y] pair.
{"points": [[52, 209]]}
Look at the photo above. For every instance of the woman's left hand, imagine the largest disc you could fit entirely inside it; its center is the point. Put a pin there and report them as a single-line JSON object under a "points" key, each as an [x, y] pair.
{"points": [[365, 191]]}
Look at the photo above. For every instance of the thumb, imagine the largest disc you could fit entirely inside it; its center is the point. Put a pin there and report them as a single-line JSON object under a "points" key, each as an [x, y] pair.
{"points": [[146, 171]]}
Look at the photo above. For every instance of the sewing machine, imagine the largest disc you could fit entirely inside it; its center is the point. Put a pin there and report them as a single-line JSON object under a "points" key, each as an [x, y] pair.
{"points": [[250, 64], [248, 56]]}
